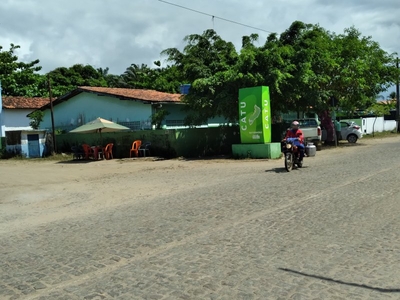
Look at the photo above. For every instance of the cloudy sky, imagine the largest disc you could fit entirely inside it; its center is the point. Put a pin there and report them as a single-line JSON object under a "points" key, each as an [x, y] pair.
{"points": [[118, 33]]}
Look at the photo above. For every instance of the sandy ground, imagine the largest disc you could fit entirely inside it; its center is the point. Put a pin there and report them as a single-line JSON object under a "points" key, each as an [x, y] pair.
{"points": [[203, 229], [38, 192]]}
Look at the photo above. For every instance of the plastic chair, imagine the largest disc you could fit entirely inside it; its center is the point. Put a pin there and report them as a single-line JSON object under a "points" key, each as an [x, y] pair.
{"points": [[99, 151], [135, 148], [108, 151], [88, 151], [145, 147], [78, 152]]}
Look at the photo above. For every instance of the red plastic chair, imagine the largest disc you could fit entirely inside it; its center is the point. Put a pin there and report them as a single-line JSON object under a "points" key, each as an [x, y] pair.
{"points": [[135, 148], [88, 151], [108, 151]]}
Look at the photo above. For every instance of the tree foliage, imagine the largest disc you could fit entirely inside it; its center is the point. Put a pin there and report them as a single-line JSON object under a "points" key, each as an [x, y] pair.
{"points": [[306, 67], [36, 118], [18, 78], [365, 70], [64, 80], [165, 79], [208, 63], [158, 117]]}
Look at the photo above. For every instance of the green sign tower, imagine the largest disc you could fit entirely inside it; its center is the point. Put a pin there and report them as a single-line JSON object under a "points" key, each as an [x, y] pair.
{"points": [[255, 115]]}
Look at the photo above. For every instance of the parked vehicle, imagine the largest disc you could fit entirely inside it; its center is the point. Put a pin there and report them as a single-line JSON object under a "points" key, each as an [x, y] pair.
{"points": [[311, 131], [350, 131], [291, 153]]}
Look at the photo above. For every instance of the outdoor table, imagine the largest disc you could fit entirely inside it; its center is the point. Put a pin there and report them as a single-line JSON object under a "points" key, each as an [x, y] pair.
{"points": [[96, 154]]}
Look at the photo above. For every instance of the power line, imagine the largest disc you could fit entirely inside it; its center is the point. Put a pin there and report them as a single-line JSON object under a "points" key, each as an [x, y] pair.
{"points": [[214, 17]]}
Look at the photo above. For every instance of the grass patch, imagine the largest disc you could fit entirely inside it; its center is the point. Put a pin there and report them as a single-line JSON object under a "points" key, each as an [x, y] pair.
{"points": [[57, 157], [18, 157], [381, 134]]}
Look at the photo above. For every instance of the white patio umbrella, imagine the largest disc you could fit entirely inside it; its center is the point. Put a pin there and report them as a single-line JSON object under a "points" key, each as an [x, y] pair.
{"points": [[99, 125]]}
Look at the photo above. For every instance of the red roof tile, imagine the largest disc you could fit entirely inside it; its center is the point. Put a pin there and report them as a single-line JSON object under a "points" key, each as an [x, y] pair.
{"points": [[393, 101], [135, 94], [14, 102]]}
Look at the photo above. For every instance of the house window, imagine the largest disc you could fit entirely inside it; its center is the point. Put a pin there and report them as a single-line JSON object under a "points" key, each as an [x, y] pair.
{"points": [[175, 123], [13, 137], [135, 125]]}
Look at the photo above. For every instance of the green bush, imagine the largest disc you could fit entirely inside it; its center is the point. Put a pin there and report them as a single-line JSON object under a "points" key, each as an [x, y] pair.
{"points": [[4, 154]]}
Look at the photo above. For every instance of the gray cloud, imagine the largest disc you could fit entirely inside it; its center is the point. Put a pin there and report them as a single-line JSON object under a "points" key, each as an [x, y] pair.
{"points": [[118, 33]]}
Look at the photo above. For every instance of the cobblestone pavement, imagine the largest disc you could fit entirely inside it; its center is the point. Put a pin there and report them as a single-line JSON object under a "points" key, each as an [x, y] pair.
{"points": [[235, 230]]}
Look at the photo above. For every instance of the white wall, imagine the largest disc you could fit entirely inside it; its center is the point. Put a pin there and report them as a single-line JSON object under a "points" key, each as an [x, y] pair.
{"points": [[368, 126], [14, 119], [390, 125], [23, 147]]}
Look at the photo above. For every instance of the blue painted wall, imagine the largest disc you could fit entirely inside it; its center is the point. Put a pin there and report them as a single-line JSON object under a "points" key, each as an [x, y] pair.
{"points": [[177, 113], [86, 107]]}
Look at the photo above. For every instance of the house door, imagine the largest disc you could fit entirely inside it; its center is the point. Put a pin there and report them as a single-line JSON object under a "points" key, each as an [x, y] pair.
{"points": [[33, 145]]}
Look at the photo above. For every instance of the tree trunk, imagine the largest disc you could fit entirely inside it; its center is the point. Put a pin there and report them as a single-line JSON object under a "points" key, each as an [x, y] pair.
{"points": [[326, 122], [373, 127]]}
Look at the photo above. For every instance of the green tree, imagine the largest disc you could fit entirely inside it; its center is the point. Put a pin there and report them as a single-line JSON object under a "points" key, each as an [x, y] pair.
{"points": [[365, 70], [64, 79], [306, 68], [311, 63], [168, 79], [136, 76], [19, 78], [36, 118], [158, 117], [207, 63], [379, 110], [164, 79]]}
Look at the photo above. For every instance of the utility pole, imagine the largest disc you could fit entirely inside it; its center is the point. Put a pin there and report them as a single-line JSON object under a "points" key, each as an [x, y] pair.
{"points": [[52, 116], [397, 97]]}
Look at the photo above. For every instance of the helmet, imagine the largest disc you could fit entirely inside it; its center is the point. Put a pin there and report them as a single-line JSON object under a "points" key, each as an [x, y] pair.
{"points": [[295, 123]]}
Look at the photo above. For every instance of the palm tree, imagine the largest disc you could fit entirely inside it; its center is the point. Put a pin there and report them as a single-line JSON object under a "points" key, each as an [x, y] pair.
{"points": [[137, 76]]}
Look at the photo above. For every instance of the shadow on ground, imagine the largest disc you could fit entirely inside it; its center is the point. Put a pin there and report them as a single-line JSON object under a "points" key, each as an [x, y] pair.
{"points": [[343, 145], [283, 170], [227, 157], [382, 290], [76, 161]]}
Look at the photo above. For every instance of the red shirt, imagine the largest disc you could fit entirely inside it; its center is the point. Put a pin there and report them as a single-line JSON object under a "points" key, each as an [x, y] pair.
{"points": [[295, 134]]}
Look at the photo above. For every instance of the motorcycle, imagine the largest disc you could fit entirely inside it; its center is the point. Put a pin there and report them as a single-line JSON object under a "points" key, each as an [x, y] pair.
{"points": [[290, 149]]}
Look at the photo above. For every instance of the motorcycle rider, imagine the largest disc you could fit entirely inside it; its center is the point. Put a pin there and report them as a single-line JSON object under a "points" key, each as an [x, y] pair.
{"points": [[295, 132]]}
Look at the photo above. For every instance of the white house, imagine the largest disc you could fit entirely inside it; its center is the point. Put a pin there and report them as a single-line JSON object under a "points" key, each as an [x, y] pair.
{"points": [[14, 111], [29, 143]]}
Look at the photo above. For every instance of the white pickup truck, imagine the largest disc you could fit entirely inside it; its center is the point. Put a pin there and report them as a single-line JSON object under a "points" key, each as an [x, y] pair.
{"points": [[312, 131]]}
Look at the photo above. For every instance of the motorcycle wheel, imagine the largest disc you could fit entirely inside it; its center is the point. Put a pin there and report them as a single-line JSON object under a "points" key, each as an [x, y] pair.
{"points": [[288, 161]]}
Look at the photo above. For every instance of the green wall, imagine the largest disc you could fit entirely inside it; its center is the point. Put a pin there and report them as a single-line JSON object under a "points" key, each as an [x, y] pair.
{"points": [[194, 142], [358, 121]]}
